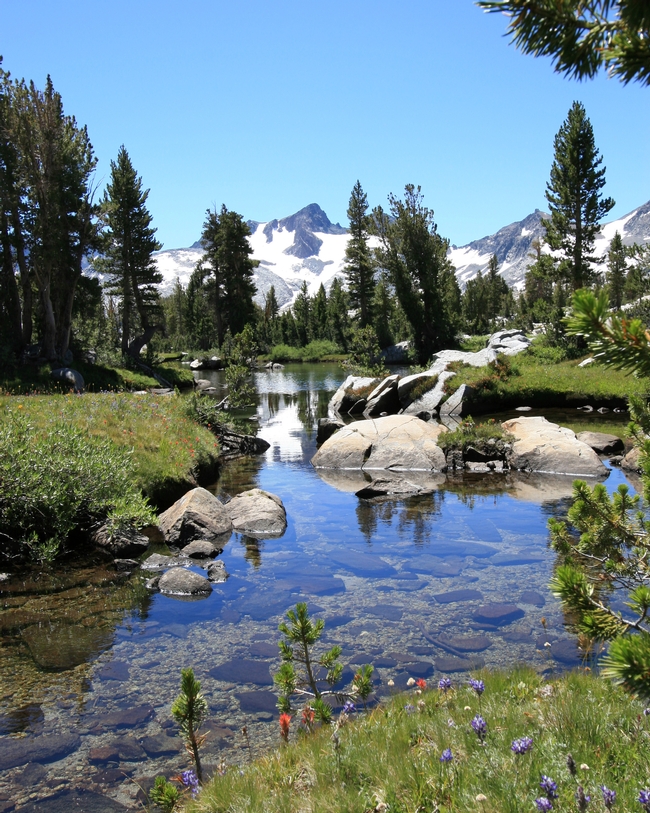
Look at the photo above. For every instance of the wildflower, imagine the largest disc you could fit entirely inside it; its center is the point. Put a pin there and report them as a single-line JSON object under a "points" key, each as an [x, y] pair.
{"points": [[522, 746], [544, 804], [410, 682], [421, 684], [190, 781], [584, 766], [478, 686], [609, 796], [480, 727], [307, 716], [349, 707], [451, 723], [444, 684], [391, 682], [409, 708], [285, 722], [549, 787], [644, 799], [481, 797], [646, 712], [581, 799], [447, 756]]}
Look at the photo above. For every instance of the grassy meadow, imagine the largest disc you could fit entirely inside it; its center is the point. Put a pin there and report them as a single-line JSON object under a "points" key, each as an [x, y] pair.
{"points": [[420, 752]]}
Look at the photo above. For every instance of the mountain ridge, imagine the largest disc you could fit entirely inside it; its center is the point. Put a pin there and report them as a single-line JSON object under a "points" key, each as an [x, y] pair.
{"points": [[308, 247]]}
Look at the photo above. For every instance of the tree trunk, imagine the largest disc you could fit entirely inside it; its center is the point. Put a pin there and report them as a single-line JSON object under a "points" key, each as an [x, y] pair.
{"points": [[139, 342], [10, 286]]}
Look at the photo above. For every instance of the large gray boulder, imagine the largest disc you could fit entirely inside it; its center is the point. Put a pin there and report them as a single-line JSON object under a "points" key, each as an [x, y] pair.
{"points": [[406, 385], [349, 394], [197, 515], [458, 403], [69, 378], [399, 442], [601, 442], [508, 342], [632, 460], [479, 359], [546, 447], [257, 513], [383, 398]]}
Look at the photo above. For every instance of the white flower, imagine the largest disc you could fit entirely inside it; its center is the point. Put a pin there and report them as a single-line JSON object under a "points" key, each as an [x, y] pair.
{"points": [[410, 682]]}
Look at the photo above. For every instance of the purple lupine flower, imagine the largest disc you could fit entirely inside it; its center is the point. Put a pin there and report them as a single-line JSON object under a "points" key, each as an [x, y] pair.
{"points": [[609, 796], [480, 726], [644, 799], [544, 804], [349, 707], [582, 799], [478, 686], [409, 708], [190, 780], [522, 745], [447, 756], [646, 712], [549, 787], [444, 684]]}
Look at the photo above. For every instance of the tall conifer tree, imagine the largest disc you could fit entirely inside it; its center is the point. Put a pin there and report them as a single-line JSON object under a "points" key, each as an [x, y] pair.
{"points": [[359, 265], [616, 271], [574, 196], [129, 244]]}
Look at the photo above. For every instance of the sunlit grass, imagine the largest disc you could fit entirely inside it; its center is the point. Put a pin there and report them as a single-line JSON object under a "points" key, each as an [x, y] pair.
{"points": [[169, 450], [389, 760]]}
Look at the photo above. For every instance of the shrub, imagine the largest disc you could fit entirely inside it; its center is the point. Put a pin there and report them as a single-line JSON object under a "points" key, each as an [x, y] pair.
{"points": [[58, 480], [282, 353], [316, 350], [471, 434]]}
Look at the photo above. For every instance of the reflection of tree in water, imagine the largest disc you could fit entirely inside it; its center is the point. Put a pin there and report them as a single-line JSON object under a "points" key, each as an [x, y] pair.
{"points": [[273, 403], [252, 550], [470, 489], [414, 516], [417, 514], [312, 405]]}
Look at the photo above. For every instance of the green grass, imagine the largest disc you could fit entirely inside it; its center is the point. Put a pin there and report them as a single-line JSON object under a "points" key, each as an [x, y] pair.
{"points": [[472, 434], [389, 760], [531, 381], [170, 452], [423, 386], [319, 350], [33, 379]]}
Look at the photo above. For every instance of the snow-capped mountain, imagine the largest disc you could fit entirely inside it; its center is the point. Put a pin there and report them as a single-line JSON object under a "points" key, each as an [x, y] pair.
{"points": [[307, 247]]}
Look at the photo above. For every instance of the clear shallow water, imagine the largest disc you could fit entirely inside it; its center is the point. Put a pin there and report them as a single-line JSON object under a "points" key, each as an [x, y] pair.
{"points": [[400, 584]]}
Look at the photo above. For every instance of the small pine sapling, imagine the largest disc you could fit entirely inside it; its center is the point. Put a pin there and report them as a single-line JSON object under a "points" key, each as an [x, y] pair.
{"points": [[164, 795], [362, 683], [298, 674], [189, 710]]}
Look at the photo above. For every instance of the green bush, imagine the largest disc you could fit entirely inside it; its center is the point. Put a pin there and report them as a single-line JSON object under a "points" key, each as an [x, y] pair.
{"points": [[471, 434], [318, 349], [58, 480], [282, 353], [423, 386]]}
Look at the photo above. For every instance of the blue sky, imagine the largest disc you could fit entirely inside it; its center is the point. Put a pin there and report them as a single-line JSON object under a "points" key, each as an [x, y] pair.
{"points": [[268, 106]]}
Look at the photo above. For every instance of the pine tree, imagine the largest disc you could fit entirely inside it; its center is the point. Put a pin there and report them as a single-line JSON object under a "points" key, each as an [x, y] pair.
{"points": [[337, 315], [616, 271], [129, 244], [318, 315], [301, 314], [415, 256], [227, 255], [574, 196], [359, 265]]}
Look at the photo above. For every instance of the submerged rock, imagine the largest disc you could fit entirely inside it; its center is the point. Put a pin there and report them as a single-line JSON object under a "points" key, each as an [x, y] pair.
{"points": [[197, 515]]}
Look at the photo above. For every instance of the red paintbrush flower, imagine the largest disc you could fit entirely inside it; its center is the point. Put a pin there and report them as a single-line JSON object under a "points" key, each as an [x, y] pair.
{"points": [[285, 722]]}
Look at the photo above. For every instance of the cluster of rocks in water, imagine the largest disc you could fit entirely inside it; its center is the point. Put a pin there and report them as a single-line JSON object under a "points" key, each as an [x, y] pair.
{"points": [[399, 433], [196, 529]]}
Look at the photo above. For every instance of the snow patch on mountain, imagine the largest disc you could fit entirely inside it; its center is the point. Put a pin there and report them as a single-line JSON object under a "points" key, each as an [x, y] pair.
{"points": [[307, 247]]}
